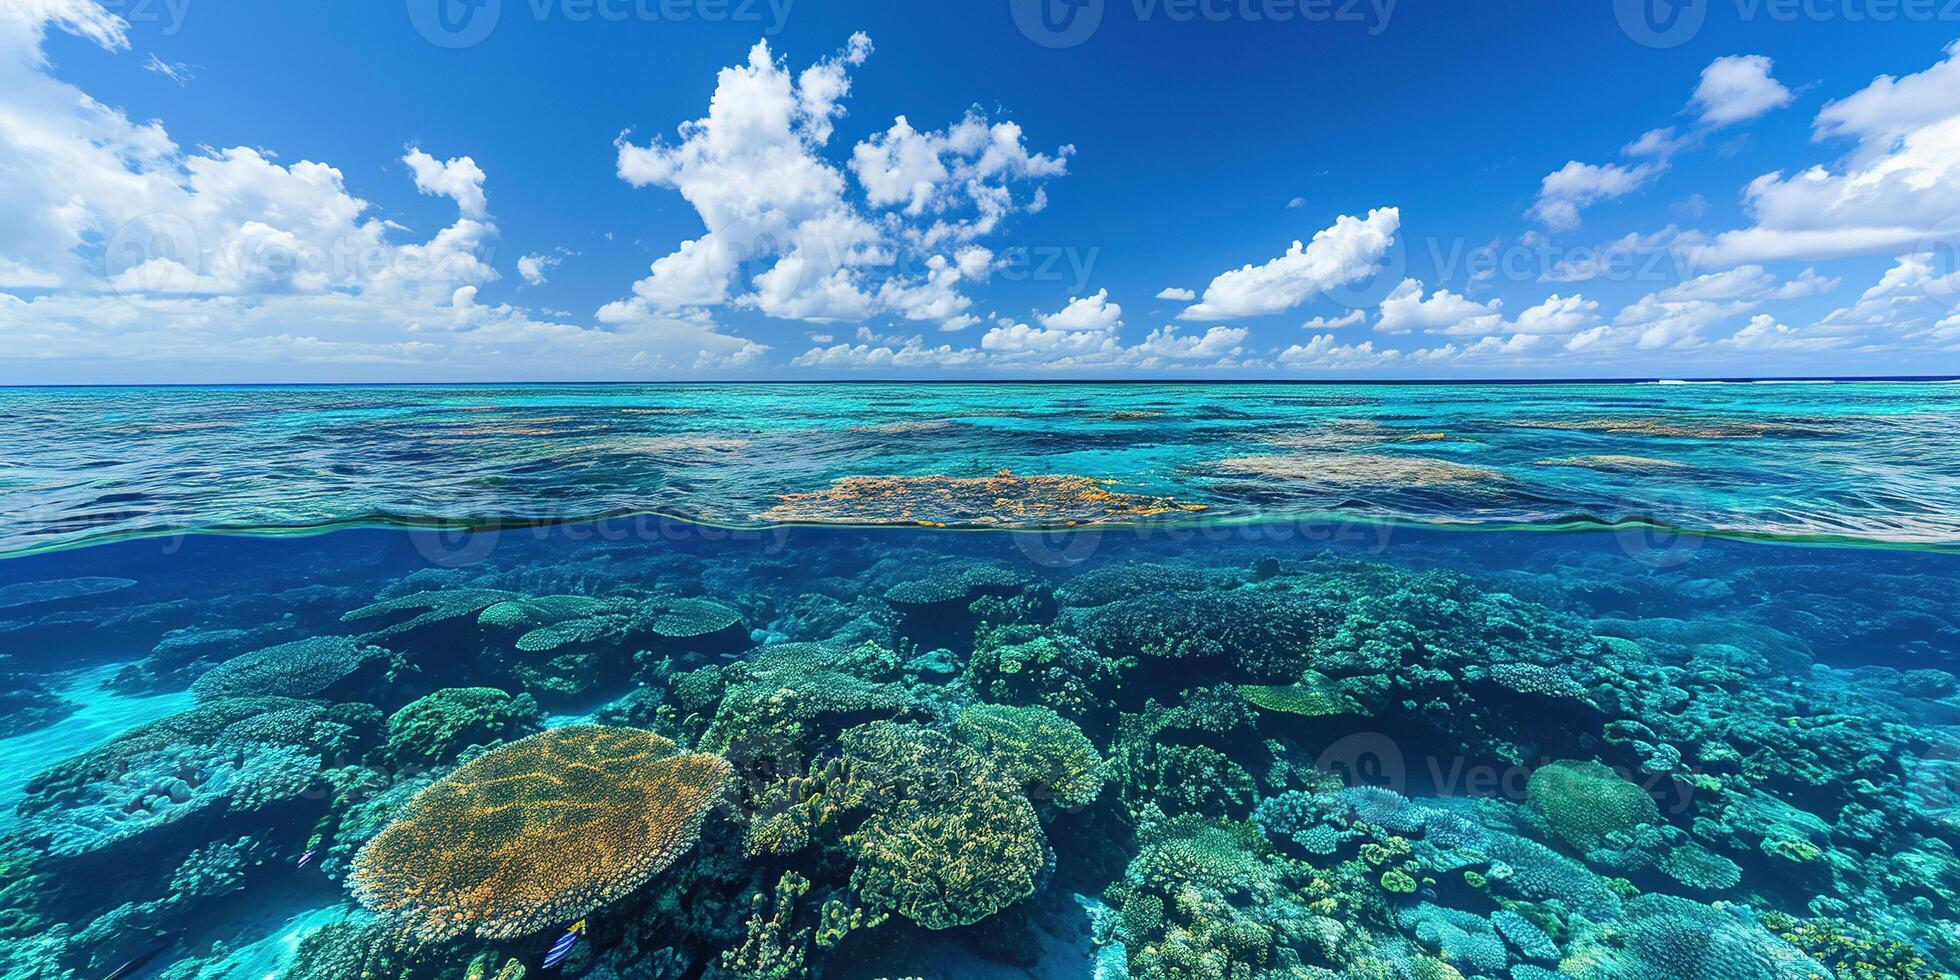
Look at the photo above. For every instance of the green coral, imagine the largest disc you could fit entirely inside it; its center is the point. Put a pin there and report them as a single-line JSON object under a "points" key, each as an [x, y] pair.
{"points": [[436, 727], [1038, 747], [1584, 802], [1027, 666], [1315, 695], [686, 619], [948, 842]]}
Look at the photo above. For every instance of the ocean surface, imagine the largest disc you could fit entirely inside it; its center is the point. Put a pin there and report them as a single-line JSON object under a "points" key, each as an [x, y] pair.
{"points": [[1229, 682]]}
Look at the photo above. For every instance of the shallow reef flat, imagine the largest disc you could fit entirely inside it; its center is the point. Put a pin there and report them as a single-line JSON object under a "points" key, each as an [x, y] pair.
{"points": [[1294, 751], [1863, 462]]}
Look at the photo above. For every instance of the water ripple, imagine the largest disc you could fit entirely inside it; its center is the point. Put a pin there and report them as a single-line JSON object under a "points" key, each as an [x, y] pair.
{"points": [[1867, 462]]}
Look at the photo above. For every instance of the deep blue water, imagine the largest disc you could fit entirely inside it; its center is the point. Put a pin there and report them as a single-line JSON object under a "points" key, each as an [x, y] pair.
{"points": [[1361, 715]]}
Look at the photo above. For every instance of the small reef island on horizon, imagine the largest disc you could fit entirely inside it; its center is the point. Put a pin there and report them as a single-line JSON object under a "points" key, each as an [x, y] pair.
{"points": [[1573, 682]]}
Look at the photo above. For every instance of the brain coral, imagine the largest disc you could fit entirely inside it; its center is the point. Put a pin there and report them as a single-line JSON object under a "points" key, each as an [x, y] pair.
{"points": [[301, 669], [538, 832], [1585, 801]]}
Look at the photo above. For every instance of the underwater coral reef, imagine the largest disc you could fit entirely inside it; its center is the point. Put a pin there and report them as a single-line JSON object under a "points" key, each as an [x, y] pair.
{"points": [[899, 753]]}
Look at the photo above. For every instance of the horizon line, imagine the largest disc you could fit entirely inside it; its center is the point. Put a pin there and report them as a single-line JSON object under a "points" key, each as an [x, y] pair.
{"points": [[1766, 379]]}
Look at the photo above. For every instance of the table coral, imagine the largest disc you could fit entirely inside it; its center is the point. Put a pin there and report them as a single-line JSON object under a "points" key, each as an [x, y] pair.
{"points": [[538, 832]]}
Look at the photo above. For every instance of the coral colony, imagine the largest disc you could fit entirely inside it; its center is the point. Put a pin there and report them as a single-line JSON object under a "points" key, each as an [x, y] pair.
{"points": [[915, 753]]}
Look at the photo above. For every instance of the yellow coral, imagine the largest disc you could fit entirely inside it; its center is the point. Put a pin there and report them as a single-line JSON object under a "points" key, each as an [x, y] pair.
{"points": [[538, 832]]}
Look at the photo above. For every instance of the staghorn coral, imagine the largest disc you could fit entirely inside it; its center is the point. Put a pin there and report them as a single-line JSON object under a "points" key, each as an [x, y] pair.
{"points": [[955, 583], [777, 706], [1030, 666], [1267, 634], [538, 832], [1110, 583]]}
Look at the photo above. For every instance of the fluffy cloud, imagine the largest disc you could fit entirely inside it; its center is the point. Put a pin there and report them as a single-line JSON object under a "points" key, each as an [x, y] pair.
{"points": [[1405, 309], [1176, 294], [1577, 185], [1732, 89], [1323, 351], [532, 268], [1903, 305], [1747, 282], [1349, 251], [967, 169], [1896, 190], [1353, 318], [144, 254], [458, 179], [1765, 334], [774, 209], [1738, 88], [1086, 313], [1214, 344], [910, 352]]}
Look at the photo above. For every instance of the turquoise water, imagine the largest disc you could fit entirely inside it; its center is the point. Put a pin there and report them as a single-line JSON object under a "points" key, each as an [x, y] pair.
{"points": [[1871, 462], [1235, 682]]}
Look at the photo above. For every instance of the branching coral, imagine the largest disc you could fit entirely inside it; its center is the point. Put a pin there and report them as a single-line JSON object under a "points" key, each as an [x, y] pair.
{"points": [[538, 832]]}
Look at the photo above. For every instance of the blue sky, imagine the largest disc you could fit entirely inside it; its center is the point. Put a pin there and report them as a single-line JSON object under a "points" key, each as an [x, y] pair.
{"points": [[210, 190]]}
